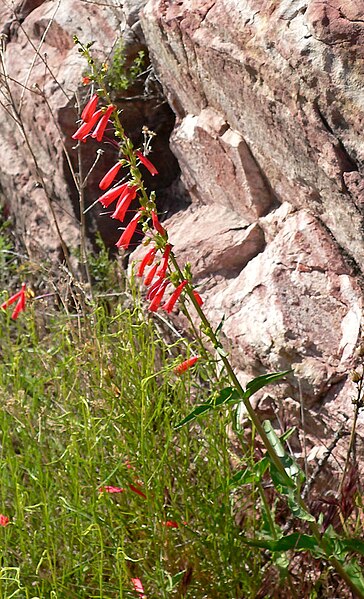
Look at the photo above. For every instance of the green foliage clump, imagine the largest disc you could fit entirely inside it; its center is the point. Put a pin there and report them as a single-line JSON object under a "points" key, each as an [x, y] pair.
{"points": [[120, 76]]}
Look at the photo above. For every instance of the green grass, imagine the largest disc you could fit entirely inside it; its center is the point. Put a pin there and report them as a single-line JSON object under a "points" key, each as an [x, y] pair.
{"points": [[92, 401]]}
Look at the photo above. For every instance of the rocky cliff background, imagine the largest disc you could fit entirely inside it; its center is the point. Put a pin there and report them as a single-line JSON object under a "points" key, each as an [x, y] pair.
{"points": [[258, 106]]}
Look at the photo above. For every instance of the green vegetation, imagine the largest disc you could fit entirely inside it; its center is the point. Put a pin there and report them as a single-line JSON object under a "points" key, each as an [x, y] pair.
{"points": [[122, 73], [91, 401]]}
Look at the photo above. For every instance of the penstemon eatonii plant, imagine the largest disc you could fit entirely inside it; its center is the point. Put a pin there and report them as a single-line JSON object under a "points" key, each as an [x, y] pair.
{"points": [[168, 283]]}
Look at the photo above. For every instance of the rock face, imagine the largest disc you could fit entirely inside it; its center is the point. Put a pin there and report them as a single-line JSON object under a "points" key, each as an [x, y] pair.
{"points": [[270, 111], [46, 88]]}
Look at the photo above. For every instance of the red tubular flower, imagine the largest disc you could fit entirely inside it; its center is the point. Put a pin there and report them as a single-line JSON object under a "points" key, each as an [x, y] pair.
{"points": [[98, 134], [138, 587], [171, 524], [18, 297], [154, 288], [157, 298], [169, 305], [147, 163], [110, 489], [110, 176], [107, 198], [147, 261], [164, 262], [137, 491], [85, 128], [4, 520], [124, 202], [150, 276], [198, 298], [90, 108], [11, 300], [125, 239], [186, 365], [20, 307], [156, 224]]}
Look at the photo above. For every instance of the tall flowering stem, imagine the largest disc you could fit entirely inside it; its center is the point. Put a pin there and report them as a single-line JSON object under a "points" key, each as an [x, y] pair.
{"points": [[165, 270]]}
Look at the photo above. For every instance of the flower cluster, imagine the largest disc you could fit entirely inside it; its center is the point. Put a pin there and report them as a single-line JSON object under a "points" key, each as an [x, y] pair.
{"points": [[93, 119], [20, 299], [123, 193]]}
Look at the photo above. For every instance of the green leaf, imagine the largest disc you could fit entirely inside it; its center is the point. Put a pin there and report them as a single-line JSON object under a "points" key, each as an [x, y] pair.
{"points": [[228, 394], [297, 510], [219, 326], [290, 484], [262, 381], [354, 571], [340, 546], [293, 471], [250, 475], [201, 409], [356, 545], [174, 580]]}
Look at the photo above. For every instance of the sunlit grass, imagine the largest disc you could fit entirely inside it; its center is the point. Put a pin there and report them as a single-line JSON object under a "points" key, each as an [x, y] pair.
{"points": [[92, 402]]}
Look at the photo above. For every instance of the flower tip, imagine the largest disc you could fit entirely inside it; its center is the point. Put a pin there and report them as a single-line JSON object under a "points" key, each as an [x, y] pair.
{"points": [[147, 163], [110, 489], [171, 524], [4, 520], [198, 298], [186, 365], [138, 587]]}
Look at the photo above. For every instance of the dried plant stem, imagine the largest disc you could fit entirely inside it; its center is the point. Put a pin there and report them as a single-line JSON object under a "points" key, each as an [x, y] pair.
{"points": [[83, 232], [14, 113], [351, 449]]}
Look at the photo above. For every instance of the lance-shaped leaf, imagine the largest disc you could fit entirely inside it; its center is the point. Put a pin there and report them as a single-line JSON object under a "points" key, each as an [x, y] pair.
{"points": [[292, 469], [262, 381], [228, 394], [251, 474]]}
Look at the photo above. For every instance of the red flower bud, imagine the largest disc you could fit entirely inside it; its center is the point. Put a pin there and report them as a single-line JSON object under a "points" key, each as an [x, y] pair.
{"points": [[90, 108], [147, 261], [147, 163], [4, 520], [186, 365], [98, 134], [150, 275], [156, 224], [110, 176], [125, 239], [107, 198], [124, 202], [198, 298], [164, 263], [110, 489], [156, 301], [169, 305], [85, 128]]}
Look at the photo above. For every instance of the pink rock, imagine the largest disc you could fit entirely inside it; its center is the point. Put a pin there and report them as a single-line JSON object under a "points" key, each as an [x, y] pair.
{"points": [[218, 167], [221, 248], [293, 98]]}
